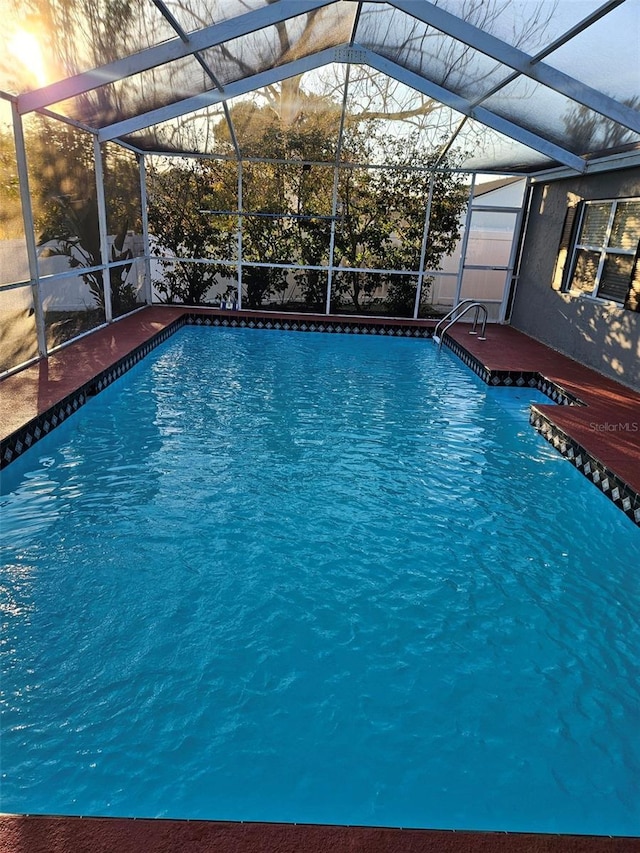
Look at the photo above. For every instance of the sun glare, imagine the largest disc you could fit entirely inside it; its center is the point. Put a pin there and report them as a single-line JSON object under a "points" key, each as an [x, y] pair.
{"points": [[24, 46]]}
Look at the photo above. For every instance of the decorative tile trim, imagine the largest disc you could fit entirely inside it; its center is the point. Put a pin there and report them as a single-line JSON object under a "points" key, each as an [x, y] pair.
{"points": [[310, 324], [622, 495], [25, 437], [22, 439], [470, 360], [513, 378], [556, 392]]}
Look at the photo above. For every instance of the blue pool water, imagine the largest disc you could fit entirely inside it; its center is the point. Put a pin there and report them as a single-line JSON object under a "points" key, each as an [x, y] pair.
{"points": [[298, 577]]}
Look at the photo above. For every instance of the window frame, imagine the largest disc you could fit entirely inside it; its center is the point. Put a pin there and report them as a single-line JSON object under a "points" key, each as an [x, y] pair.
{"points": [[604, 250]]}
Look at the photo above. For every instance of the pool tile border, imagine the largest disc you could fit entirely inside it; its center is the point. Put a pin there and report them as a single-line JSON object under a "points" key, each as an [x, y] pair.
{"points": [[22, 439], [610, 484], [613, 486], [311, 324], [510, 378]]}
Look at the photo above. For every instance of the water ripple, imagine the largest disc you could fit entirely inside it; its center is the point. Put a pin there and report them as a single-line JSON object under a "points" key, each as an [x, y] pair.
{"points": [[293, 577]]}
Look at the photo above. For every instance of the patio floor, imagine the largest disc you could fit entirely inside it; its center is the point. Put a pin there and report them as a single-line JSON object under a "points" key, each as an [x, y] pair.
{"points": [[116, 835]]}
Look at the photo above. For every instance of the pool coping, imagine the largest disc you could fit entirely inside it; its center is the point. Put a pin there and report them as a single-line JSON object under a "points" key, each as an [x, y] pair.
{"points": [[614, 486], [594, 465], [62, 834]]}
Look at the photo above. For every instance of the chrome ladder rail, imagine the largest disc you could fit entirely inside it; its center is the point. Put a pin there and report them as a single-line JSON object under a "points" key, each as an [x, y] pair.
{"points": [[469, 304], [450, 314]]}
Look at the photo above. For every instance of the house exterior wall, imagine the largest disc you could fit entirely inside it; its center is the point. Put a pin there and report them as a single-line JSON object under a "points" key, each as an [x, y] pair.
{"points": [[600, 334]]}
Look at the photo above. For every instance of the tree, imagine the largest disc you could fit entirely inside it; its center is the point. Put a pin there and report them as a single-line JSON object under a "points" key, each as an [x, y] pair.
{"points": [[286, 216], [184, 199], [78, 239], [588, 130], [382, 217]]}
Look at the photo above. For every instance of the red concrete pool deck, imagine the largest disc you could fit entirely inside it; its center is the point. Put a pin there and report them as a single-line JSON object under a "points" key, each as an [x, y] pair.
{"points": [[116, 835], [608, 425], [37, 388]]}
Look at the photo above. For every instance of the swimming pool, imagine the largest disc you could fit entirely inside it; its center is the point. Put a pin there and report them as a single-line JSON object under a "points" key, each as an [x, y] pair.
{"points": [[312, 578]]}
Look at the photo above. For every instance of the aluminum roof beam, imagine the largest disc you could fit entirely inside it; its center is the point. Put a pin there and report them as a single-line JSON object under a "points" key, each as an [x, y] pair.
{"points": [[171, 50], [598, 13], [355, 54], [481, 114], [171, 19], [554, 45], [520, 61], [217, 96], [184, 36]]}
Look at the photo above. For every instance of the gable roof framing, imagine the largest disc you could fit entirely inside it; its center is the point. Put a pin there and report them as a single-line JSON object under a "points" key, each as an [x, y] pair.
{"points": [[217, 96], [171, 50], [345, 54], [483, 115], [520, 61], [277, 12]]}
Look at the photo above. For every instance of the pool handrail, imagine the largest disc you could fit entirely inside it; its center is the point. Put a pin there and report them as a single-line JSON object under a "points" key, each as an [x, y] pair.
{"points": [[469, 304], [453, 311]]}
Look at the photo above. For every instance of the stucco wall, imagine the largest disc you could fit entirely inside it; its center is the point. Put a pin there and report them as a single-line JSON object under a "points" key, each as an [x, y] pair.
{"points": [[601, 335]]}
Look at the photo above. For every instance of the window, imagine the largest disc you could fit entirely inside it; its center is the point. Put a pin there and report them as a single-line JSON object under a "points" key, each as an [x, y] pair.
{"points": [[605, 255]]}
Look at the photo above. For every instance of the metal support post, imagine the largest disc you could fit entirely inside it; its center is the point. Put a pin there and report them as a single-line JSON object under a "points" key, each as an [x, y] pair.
{"points": [[240, 235], [423, 248], [144, 202], [334, 194], [29, 232], [465, 241], [102, 227]]}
